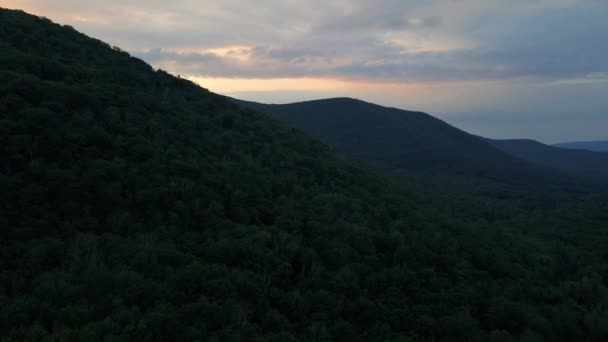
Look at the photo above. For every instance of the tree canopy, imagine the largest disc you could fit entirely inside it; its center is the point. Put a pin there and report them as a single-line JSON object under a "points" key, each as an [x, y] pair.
{"points": [[138, 206]]}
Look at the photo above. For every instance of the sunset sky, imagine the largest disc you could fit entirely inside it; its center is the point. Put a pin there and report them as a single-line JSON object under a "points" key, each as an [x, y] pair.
{"points": [[504, 69]]}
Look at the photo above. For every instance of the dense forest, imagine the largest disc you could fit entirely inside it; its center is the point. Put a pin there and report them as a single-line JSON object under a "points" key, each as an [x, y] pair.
{"points": [[135, 205]]}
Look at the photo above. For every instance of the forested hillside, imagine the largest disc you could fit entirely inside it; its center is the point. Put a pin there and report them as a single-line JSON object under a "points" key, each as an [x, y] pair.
{"points": [[137, 206], [406, 143]]}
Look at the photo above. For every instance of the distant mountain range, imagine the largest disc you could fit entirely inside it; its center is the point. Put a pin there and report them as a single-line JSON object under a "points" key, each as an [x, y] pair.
{"points": [[597, 146], [417, 143], [582, 163]]}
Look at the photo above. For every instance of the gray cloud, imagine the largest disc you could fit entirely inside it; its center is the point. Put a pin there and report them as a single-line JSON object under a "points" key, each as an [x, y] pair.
{"points": [[388, 40], [549, 44], [377, 19]]}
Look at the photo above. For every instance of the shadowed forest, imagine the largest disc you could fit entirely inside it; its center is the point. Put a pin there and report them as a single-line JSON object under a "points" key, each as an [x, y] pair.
{"points": [[138, 206]]}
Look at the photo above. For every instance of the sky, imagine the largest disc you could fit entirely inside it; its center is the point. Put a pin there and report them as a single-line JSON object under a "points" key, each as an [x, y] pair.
{"points": [[499, 68]]}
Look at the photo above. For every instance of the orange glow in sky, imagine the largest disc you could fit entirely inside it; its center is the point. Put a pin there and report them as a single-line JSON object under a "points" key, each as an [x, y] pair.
{"points": [[232, 85]]}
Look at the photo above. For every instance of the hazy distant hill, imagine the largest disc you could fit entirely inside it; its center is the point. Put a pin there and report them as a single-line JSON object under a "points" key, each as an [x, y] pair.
{"points": [[588, 164], [404, 141], [598, 146]]}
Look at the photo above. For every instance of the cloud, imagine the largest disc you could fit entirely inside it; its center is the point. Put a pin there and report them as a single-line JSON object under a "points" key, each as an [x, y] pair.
{"points": [[374, 18], [382, 41]]}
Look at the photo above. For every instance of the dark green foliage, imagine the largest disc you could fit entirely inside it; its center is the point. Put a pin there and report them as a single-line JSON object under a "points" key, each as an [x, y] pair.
{"points": [[135, 206]]}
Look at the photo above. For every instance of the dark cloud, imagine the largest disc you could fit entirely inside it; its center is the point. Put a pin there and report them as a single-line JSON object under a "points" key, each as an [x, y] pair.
{"points": [[375, 16], [378, 21]]}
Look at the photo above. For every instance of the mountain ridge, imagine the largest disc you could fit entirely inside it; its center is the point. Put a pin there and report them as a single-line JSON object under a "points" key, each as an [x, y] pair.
{"points": [[406, 141], [597, 146], [583, 163]]}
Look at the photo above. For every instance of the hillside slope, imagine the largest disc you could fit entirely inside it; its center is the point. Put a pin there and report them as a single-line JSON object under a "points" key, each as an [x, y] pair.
{"points": [[597, 146], [582, 163], [136, 206], [405, 142]]}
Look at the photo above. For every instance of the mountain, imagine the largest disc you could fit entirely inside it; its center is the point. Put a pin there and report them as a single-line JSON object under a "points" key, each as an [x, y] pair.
{"points": [[597, 146], [586, 164], [405, 142], [137, 206]]}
